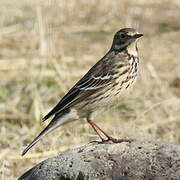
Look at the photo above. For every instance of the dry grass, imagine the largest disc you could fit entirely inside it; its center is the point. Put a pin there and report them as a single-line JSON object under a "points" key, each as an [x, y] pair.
{"points": [[46, 46]]}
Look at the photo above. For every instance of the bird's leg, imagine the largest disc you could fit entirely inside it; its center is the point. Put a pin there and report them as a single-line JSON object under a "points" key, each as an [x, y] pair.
{"points": [[109, 138], [93, 126]]}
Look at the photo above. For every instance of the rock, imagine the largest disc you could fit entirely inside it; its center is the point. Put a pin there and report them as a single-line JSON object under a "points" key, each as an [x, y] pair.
{"points": [[123, 161]]}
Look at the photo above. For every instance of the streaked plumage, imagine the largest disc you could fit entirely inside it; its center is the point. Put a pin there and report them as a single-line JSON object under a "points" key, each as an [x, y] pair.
{"points": [[100, 87]]}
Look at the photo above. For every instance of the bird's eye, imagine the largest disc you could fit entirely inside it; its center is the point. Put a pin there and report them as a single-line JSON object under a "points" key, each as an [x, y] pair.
{"points": [[122, 36]]}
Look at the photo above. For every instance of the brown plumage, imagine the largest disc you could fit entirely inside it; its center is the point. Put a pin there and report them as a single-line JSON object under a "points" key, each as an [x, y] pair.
{"points": [[100, 87]]}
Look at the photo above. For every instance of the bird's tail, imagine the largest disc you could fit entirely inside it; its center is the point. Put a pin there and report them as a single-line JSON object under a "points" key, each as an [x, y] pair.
{"points": [[58, 120]]}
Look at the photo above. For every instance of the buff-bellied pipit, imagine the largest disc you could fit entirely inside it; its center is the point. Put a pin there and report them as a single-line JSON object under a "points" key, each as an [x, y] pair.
{"points": [[100, 87]]}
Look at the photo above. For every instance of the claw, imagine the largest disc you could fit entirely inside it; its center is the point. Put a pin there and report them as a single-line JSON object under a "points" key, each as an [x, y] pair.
{"points": [[114, 140]]}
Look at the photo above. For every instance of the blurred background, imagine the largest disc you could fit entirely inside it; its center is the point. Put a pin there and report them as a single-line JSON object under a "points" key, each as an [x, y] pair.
{"points": [[46, 46]]}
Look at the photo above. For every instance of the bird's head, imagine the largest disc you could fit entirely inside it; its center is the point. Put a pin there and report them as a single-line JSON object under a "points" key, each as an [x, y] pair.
{"points": [[124, 38]]}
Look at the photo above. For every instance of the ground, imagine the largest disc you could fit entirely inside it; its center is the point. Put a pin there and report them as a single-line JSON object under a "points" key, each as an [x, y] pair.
{"points": [[46, 46]]}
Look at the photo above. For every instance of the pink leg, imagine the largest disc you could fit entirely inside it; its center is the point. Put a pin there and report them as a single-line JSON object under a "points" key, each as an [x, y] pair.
{"points": [[109, 138]]}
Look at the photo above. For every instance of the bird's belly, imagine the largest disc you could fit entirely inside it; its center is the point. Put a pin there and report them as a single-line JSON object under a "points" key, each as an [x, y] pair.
{"points": [[107, 98]]}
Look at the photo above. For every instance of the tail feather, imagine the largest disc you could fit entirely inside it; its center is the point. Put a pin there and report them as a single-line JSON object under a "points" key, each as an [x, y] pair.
{"points": [[51, 126], [58, 120]]}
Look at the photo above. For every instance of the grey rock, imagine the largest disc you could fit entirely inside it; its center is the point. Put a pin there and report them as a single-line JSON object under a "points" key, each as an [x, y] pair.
{"points": [[123, 161]]}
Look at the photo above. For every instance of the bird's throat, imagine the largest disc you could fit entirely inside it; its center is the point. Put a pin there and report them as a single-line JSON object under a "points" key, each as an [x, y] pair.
{"points": [[132, 49]]}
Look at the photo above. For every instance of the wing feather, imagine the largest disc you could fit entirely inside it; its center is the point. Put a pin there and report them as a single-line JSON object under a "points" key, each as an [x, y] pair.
{"points": [[98, 77]]}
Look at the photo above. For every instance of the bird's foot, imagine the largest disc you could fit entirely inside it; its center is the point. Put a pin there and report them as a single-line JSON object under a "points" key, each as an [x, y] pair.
{"points": [[99, 141], [114, 140]]}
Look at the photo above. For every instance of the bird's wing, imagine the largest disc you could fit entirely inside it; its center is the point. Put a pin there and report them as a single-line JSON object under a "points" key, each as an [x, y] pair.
{"points": [[98, 77]]}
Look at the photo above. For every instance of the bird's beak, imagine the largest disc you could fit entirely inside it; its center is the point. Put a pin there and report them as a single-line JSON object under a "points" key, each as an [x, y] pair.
{"points": [[138, 35]]}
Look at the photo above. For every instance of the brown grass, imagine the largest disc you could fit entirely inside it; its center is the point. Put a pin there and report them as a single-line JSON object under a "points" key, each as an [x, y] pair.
{"points": [[46, 46]]}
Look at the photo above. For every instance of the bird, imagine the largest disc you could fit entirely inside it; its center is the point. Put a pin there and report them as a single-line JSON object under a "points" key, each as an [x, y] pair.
{"points": [[99, 88]]}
